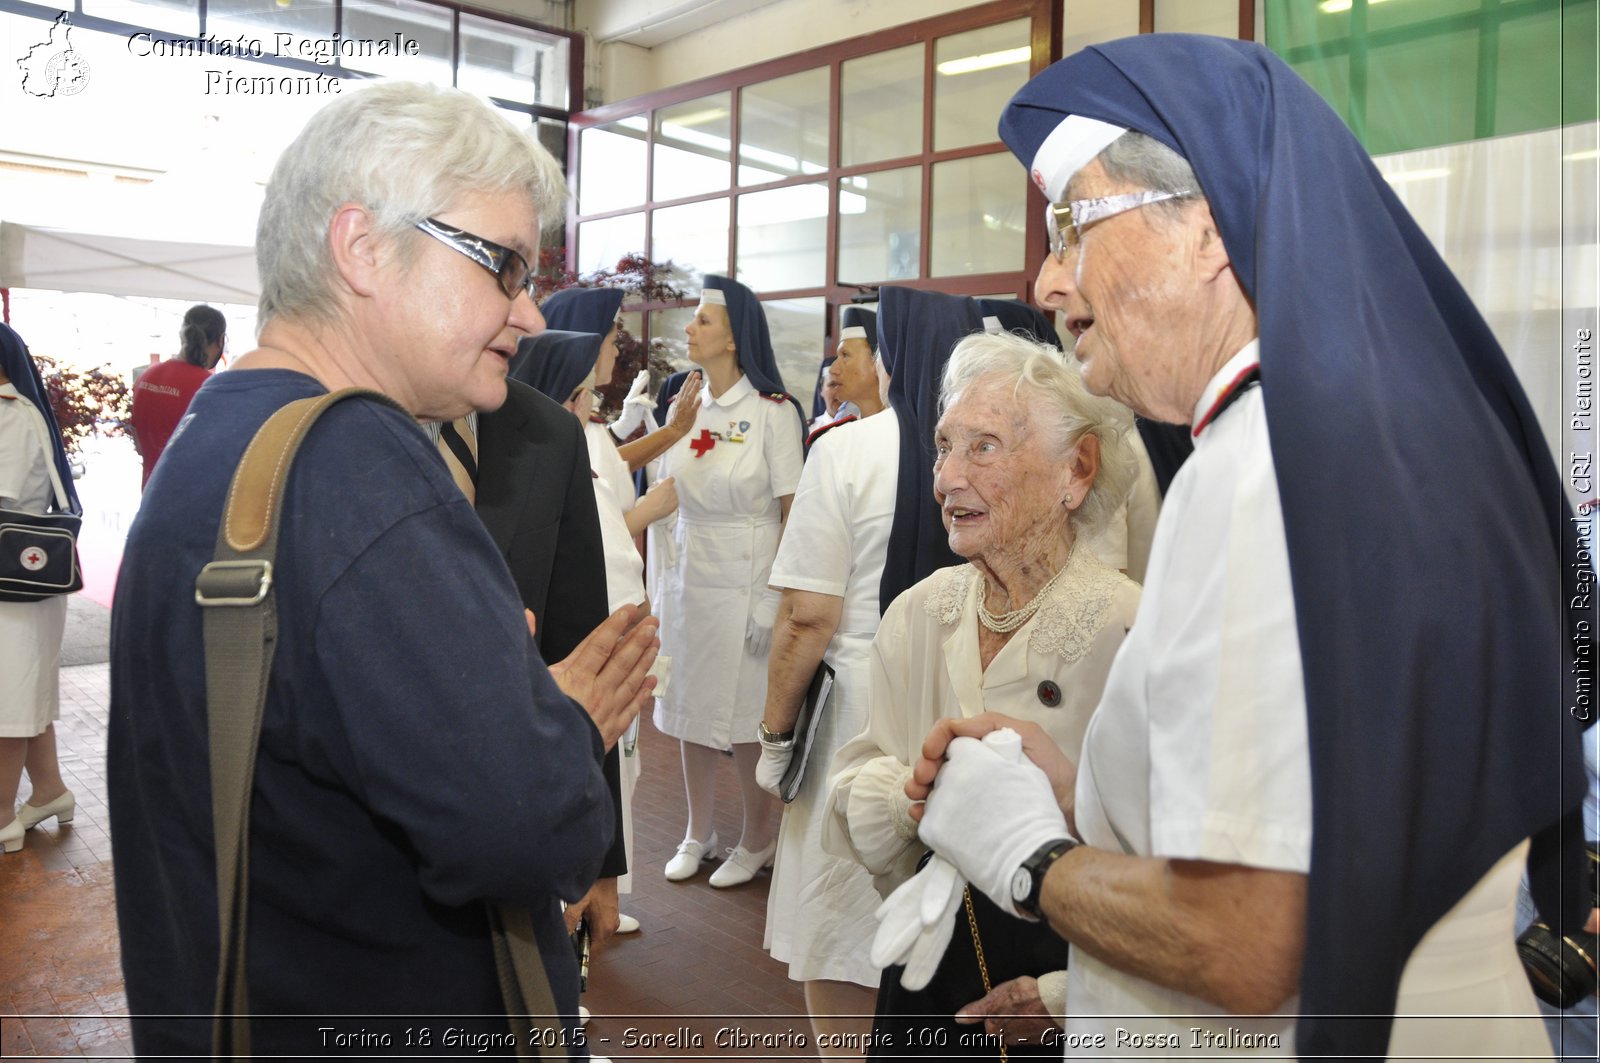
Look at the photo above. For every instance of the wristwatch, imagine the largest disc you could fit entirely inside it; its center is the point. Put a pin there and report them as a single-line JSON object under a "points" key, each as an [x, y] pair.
{"points": [[776, 738], [1027, 882]]}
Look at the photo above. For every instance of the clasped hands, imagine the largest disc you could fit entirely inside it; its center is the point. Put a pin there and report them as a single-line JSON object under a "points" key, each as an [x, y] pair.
{"points": [[987, 807]]}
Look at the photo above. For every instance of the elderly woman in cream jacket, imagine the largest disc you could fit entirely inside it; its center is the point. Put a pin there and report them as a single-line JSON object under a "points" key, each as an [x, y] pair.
{"points": [[1028, 464]]}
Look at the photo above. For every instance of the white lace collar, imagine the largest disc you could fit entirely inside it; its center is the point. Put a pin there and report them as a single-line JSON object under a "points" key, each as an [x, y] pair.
{"points": [[1067, 623]]}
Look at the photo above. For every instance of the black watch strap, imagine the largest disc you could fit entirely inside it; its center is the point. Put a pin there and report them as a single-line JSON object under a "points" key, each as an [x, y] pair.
{"points": [[1037, 867]]}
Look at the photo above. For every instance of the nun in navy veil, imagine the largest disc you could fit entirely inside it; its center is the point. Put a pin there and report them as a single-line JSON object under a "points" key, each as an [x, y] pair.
{"points": [[736, 473], [1373, 543]]}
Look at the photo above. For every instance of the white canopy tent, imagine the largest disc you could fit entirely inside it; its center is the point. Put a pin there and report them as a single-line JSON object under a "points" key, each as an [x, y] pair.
{"points": [[88, 260], [187, 235]]}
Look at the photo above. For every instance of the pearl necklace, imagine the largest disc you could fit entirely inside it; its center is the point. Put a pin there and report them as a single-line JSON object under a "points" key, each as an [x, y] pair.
{"points": [[1006, 623]]}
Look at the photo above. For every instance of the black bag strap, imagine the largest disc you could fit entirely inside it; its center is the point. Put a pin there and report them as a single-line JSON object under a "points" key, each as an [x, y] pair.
{"points": [[241, 631]]}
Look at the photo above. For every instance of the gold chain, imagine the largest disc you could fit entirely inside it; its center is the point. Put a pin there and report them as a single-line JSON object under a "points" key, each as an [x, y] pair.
{"points": [[977, 947]]}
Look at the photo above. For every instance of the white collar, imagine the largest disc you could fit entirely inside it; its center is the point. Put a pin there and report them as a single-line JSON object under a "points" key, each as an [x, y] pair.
{"points": [[9, 390], [1248, 358], [739, 390]]}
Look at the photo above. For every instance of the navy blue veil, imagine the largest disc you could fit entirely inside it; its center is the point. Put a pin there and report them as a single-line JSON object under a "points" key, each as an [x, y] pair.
{"points": [[555, 363], [753, 341], [1431, 546], [916, 332], [582, 309], [24, 373]]}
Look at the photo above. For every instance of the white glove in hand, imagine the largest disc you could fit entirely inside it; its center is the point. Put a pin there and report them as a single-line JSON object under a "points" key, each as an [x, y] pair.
{"points": [[758, 630], [988, 813], [636, 407], [916, 920], [774, 762]]}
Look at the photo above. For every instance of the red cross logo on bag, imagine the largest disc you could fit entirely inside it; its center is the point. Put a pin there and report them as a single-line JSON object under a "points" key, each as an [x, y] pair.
{"points": [[33, 559]]}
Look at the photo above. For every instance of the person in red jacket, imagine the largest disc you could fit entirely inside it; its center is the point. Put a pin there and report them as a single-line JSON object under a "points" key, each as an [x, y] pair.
{"points": [[162, 393]]}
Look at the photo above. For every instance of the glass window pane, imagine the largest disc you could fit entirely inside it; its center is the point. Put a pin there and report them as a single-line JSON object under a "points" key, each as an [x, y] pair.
{"points": [[308, 23], [1405, 104], [978, 207], [1086, 22], [550, 132], [783, 127], [1219, 18], [783, 238], [692, 141], [1528, 87], [405, 26], [174, 16], [601, 244], [667, 326], [632, 321], [1386, 16], [880, 226], [512, 62], [611, 166], [796, 326], [217, 152], [880, 106], [694, 237], [974, 75]]}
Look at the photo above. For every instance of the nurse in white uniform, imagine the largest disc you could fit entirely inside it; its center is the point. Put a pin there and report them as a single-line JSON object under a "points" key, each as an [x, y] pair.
{"points": [[819, 908], [735, 474], [33, 472]]}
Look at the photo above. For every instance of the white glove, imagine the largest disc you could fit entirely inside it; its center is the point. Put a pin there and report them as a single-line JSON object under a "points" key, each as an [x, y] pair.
{"points": [[774, 763], [989, 812], [637, 409], [758, 629], [916, 920]]}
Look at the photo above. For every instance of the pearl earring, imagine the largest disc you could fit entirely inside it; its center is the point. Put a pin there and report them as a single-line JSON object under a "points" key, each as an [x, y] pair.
{"points": [[1068, 499]]}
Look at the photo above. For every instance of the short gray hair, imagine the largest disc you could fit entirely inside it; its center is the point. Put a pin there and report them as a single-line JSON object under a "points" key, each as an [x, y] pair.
{"points": [[404, 150], [1061, 403], [1145, 162]]}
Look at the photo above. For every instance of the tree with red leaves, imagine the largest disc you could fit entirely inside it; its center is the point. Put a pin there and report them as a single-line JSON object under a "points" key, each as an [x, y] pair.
{"points": [[94, 402], [645, 282]]}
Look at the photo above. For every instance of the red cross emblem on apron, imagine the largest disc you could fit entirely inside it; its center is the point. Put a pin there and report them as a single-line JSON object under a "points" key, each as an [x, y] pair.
{"points": [[704, 442]]}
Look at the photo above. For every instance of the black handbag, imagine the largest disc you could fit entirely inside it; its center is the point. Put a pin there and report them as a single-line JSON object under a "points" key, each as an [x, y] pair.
{"points": [[39, 551]]}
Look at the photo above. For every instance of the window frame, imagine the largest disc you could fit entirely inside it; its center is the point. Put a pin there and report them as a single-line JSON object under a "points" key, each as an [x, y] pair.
{"points": [[1044, 39]]}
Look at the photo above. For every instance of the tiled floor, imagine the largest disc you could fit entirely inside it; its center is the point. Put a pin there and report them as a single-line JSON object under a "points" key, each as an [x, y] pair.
{"points": [[696, 964], [58, 931]]}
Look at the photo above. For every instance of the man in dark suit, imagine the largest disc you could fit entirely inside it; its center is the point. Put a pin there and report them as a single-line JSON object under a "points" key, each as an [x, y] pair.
{"points": [[535, 497]]}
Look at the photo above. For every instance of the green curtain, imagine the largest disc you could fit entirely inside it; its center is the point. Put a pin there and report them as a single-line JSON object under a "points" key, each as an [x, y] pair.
{"points": [[1418, 73]]}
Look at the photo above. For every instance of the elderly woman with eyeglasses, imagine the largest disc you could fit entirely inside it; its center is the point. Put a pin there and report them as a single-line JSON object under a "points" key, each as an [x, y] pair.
{"points": [[1027, 465], [422, 776], [1278, 857]]}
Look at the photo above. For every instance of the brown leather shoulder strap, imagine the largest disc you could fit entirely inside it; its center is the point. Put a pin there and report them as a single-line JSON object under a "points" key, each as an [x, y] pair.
{"points": [[241, 630]]}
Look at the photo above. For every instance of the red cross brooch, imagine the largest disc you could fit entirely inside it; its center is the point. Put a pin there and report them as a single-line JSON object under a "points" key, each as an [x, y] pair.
{"points": [[707, 439]]}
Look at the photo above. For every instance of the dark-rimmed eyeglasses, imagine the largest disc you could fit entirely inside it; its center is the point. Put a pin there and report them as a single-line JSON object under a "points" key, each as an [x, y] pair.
{"points": [[1064, 222], [510, 269]]}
